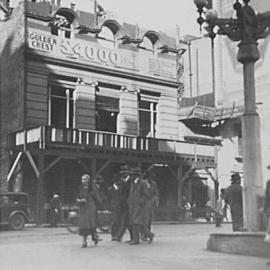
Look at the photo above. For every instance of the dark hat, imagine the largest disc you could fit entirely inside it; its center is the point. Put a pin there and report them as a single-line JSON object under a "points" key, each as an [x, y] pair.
{"points": [[124, 169], [268, 167], [98, 179], [235, 177], [135, 170]]}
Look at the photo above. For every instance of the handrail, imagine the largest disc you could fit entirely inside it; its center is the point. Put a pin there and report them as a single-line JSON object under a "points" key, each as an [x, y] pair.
{"points": [[91, 138]]}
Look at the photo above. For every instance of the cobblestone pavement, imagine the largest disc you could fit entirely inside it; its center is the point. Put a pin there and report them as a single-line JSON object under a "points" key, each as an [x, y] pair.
{"points": [[175, 247]]}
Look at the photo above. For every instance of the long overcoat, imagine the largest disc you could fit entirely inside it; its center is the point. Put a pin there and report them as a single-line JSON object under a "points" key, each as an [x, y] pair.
{"points": [[151, 203], [233, 196], [138, 195], [88, 208]]}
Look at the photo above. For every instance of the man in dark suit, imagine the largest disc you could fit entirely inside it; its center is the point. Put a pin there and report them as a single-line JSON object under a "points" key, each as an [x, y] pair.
{"points": [[115, 196], [120, 191], [153, 200], [138, 195], [233, 197]]}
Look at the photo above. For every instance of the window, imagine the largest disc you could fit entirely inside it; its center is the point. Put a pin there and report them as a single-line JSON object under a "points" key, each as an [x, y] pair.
{"points": [[107, 107], [61, 107], [106, 37], [61, 26], [147, 45], [148, 113], [150, 42], [64, 22]]}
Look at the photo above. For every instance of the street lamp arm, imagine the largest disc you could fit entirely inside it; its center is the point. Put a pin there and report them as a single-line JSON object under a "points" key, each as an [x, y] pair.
{"points": [[229, 27]]}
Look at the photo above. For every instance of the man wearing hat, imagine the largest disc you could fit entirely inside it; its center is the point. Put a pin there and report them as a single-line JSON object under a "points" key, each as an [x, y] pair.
{"points": [[55, 210], [138, 195], [233, 197], [153, 200], [120, 189]]}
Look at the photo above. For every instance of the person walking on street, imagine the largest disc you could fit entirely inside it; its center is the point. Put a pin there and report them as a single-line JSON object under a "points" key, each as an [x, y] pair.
{"points": [[138, 195], [55, 210], [220, 206], [121, 222], [153, 202], [88, 199], [233, 197], [115, 197], [266, 210]]}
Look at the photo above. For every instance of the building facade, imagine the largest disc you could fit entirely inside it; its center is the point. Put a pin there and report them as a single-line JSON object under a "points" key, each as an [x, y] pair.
{"points": [[218, 109], [82, 93]]}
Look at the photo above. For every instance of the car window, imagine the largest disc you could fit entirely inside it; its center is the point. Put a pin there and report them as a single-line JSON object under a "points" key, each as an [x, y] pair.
{"points": [[4, 199], [19, 199]]}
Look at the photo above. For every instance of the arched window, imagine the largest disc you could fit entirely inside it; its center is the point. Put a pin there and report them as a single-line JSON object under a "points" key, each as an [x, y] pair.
{"points": [[150, 42], [147, 44], [63, 23], [106, 37]]}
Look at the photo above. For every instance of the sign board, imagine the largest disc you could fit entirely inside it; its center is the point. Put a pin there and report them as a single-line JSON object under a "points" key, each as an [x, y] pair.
{"points": [[92, 53]]}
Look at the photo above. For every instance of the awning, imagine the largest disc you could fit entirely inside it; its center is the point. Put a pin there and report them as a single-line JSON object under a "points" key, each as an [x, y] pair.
{"points": [[209, 113]]}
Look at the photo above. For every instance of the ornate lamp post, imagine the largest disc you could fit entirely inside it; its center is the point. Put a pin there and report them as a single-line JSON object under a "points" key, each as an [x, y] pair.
{"points": [[247, 28]]}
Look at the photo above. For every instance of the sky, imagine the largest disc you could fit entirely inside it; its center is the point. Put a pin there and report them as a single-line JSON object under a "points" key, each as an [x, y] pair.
{"points": [[159, 15]]}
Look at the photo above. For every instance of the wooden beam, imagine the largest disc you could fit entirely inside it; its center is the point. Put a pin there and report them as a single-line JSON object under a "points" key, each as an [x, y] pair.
{"points": [[99, 171], [82, 164], [14, 166], [40, 213], [180, 187], [173, 173], [93, 166], [33, 164], [216, 183], [148, 169], [211, 175], [188, 173], [52, 164]]}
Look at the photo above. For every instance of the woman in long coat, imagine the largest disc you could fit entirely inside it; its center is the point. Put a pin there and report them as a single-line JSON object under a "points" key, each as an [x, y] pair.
{"points": [[88, 200]]}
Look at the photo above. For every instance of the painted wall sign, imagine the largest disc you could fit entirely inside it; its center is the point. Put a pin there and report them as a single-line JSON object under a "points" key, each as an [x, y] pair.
{"points": [[92, 52]]}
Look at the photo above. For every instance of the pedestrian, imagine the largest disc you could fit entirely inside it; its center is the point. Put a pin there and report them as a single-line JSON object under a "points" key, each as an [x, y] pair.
{"points": [[88, 200], [220, 206], [267, 210], [138, 195], [115, 197], [122, 222], [152, 202], [55, 210], [233, 197]]}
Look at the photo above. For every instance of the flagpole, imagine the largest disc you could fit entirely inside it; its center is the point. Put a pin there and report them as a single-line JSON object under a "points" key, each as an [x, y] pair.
{"points": [[95, 12], [178, 58]]}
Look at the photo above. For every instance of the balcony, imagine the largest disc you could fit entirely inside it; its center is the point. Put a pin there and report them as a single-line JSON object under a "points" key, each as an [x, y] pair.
{"points": [[49, 138]]}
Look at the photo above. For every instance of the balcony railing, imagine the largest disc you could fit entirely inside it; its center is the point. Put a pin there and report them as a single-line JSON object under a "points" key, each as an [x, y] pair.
{"points": [[49, 136]]}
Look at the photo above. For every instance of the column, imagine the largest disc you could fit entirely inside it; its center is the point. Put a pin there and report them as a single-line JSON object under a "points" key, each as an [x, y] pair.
{"points": [[181, 217], [85, 106], [40, 191], [167, 117], [253, 182], [128, 118]]}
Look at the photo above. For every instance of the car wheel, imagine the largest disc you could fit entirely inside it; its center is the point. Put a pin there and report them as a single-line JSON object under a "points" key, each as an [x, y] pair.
{"points": [[17, 222]]}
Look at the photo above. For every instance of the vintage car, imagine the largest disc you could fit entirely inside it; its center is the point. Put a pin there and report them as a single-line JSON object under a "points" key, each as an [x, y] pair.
{"points": [[14, 209]]}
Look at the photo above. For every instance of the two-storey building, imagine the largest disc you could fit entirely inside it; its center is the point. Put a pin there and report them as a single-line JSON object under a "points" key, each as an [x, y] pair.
{"points": [[83, 93]]}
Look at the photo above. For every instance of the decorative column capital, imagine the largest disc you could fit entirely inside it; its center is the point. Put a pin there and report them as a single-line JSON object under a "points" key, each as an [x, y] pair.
{"points": [[248, 52]]}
